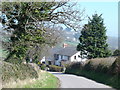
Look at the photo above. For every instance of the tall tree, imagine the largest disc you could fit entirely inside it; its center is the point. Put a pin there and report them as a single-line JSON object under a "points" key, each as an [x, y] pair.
{"points": [[30, 22], [93, 39]]}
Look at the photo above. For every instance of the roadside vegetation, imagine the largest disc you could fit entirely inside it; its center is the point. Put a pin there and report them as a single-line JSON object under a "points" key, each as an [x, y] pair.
{"points": [[26, 76], [29, 30], [52, 68], [103, 70], [101, 66], [32, 28]]}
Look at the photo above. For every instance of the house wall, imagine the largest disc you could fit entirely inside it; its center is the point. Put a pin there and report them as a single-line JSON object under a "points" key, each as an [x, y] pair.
{"points": [[61, 57], [78, 59], [42, 60], [65, 58], [69, 59]]}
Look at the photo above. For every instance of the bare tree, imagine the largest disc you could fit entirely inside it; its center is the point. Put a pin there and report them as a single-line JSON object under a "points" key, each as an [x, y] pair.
{"points": [[33, 24]]}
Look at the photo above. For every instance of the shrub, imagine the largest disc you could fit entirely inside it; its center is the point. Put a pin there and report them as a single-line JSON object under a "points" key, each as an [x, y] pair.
{"points": [[116, 52], [43, 66], [102, 68], [115, 67], [17, 71], [76, 65], [88, 66], [55, 68], [72, 67]]}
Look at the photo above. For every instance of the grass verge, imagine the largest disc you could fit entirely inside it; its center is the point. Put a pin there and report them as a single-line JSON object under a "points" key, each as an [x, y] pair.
{"points": [[46, 80], [26, 76]]}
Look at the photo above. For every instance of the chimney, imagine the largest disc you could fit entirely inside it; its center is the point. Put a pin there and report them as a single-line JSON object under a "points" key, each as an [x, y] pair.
{"points": [[65, 45]]}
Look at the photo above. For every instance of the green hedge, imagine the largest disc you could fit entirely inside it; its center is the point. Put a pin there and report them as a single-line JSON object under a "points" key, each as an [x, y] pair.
{"points": [[55, 68], [106, 74], [43, 66]]}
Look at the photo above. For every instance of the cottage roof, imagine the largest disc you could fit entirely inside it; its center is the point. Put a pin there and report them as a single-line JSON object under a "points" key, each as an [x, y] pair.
{"points": [[68, 51], [52, 51]]}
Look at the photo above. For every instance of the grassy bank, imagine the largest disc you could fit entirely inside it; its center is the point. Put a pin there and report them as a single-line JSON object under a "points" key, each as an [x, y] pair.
{"points": [[46, 80], [98, 72], [27, 76]]}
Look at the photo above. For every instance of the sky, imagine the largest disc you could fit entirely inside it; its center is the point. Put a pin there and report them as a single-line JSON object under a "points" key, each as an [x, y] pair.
{"points": [[109, 11]]}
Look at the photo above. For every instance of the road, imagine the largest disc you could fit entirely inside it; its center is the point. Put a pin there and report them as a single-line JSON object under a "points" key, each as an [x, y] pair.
{"points": [[73, 81]]}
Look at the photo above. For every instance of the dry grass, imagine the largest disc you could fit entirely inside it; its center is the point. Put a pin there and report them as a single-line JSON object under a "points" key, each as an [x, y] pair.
{"points": [[102, 61], [21, 83], [43, 79]]}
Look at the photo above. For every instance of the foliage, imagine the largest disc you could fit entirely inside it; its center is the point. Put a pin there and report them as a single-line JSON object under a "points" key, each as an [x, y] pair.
{"points": [[55, 68], [93, 39], [74, 65], [48, 81], [103, 73], [116, 52], [88, 66], [43, 66], [102, 69], [115, 68], [30, 26], [45, 80], [14, 72]]}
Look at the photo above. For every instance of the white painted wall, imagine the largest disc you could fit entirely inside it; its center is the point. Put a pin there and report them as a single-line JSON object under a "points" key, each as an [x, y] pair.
{"points": [[72, 59], [78, 59], [61, 57], [43, 59]]}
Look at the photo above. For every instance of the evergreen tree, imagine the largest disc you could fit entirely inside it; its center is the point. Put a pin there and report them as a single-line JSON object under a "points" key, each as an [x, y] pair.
{"points": [[93, 39]]}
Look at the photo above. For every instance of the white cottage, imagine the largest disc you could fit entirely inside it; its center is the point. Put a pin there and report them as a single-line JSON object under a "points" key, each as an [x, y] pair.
{"points": [[66, 55], [63, 55]]}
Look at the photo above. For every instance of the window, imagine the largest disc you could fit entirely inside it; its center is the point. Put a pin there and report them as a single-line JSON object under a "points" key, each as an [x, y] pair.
{"points": [[56, 56], [61, 56], [74, 57], [68, 57], [79, 56], [49, 62], [65, 57]]}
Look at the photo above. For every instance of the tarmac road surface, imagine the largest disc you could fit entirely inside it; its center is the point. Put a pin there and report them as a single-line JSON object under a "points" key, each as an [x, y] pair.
{"points": [[73, 81]]}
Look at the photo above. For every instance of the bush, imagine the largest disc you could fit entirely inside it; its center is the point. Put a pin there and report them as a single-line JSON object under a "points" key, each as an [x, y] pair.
{"points": [[55, 68], [17, 71], [88, 66], [43, 66], [72, 67], [115, 67], [102, 69], [116, 52]]}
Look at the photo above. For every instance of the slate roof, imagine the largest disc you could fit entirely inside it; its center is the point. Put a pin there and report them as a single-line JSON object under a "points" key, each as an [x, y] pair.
{"points": [[52, 51], [68, 51]]}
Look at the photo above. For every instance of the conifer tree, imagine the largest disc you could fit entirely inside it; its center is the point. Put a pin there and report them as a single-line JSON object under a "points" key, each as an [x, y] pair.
{"points": [[93, 39]]}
